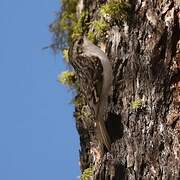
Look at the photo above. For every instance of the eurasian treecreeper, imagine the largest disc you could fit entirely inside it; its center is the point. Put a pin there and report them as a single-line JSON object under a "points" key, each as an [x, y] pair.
{"points": [[94, 72]]}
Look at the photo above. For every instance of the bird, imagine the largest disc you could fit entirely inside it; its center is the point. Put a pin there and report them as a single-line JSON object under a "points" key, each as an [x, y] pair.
{"points": [[94, 72]]}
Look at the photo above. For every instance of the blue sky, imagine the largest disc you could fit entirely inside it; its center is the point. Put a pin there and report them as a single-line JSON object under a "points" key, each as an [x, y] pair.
{"points": [[38, 138]]}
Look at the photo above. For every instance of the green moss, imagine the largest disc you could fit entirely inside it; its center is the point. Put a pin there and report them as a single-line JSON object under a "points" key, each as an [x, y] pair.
{"points": [[65, 55], [83, 111], [91, 36], [66, 27], [136, 104], [87, 174], [99, 26], [78, 101], [86, 112], [116, 9], [79, 27], [67, 20], [67, 78]]}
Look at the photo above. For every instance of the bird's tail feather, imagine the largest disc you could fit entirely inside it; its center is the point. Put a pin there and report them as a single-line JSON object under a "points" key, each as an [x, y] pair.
{"points": [[104, 137]]}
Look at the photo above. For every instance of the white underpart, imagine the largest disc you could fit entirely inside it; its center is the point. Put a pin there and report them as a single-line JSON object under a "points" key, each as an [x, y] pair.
{"points": [[92, 50]]}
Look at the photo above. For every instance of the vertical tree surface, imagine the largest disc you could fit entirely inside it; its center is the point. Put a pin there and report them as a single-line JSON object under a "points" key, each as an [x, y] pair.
{"points": [[143, 119]]}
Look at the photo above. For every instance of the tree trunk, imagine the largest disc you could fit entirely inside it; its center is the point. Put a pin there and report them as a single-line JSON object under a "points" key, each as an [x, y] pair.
{"points": [[143, 119]]}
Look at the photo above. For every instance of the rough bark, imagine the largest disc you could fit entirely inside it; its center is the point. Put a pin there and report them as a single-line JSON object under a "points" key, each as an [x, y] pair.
{"points": [[145, 55]]}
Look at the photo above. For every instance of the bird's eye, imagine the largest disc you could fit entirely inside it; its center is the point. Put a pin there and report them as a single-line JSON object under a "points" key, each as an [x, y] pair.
{"points": [[80, 41]]}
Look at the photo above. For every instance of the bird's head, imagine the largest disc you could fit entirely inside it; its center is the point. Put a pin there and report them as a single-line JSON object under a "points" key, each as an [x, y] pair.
{"points": [[78, 45], [76, 49]]}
